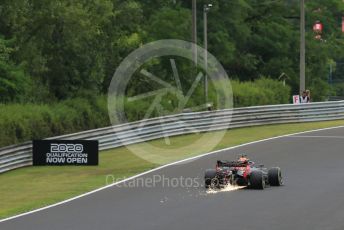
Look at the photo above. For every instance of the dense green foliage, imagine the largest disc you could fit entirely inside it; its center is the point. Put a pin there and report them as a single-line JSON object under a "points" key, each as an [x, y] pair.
{"points": [[54, 52], [31, 121], [260, 92]]}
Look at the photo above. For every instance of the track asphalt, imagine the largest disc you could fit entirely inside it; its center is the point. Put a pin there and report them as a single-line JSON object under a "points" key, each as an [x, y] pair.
{"points": [[312, 196]]}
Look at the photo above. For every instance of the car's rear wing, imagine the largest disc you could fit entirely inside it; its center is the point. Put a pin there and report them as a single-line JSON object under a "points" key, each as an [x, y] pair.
{"points": [[221, 163]]}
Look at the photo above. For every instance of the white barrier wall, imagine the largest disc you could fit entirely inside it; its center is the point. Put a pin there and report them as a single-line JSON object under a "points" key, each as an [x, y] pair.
{"points": [[16, 156]]}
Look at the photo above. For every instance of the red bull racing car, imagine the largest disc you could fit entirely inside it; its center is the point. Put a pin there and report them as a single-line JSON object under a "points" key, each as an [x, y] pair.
{"points": [[242, 172]]}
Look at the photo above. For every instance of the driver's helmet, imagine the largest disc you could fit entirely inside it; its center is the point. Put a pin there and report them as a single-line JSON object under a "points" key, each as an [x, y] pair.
{"points": [[243, 159]]}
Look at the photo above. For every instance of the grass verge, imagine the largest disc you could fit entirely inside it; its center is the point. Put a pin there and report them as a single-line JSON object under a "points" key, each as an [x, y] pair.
{"points": [[29, 188]]}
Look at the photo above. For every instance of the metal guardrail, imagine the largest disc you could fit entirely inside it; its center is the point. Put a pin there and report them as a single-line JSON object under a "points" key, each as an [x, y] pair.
{"points": [[16, 156]]}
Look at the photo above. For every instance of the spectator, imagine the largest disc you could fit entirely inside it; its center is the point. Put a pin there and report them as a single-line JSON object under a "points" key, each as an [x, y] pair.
{"points": [[304, 98], [308, 92]]}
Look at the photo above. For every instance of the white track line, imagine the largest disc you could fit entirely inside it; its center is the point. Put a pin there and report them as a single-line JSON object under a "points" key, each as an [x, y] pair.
{"points": [[158, 168], [333, 137]]}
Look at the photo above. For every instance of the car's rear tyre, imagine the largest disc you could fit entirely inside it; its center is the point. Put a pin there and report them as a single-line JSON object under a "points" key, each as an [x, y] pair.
{"points": [[257, 180], [275, 177], [210, 178]]}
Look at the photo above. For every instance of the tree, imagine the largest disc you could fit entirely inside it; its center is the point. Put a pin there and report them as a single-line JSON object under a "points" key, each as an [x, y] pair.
{"points": [[14, 84]]}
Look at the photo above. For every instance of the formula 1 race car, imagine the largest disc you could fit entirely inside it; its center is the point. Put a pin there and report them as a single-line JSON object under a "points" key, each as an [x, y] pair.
{"points": [[242, 172]]}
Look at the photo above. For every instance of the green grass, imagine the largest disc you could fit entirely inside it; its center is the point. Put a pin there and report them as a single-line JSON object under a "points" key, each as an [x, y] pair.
{"points": [[29, 188]]}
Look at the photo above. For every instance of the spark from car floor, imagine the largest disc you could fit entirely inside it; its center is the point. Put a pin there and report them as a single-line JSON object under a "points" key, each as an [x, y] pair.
{"points": [[227, 188]]}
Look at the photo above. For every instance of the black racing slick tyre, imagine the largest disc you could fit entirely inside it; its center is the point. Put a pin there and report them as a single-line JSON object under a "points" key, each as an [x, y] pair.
{"points": [[210, 178], [275, 176], [257, 180]]}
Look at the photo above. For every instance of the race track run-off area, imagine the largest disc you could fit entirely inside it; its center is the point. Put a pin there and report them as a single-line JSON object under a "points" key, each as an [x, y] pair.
{"points": [[311, 198]]}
